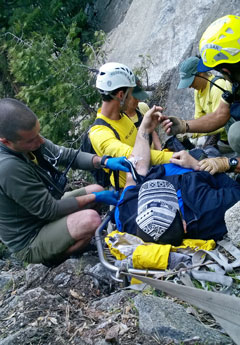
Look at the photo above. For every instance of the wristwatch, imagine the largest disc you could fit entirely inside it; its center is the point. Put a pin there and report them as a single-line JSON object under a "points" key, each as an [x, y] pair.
{"points": [[102, 163], [233, 162]]}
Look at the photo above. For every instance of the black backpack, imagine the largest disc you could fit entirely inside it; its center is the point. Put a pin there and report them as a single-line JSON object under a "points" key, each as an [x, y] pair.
{"points": [[100, 175], [140, 118]]}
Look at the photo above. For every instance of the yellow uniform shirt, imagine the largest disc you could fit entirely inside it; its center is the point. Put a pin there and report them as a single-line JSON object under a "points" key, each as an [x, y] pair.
{"points": [[143, 108], [105, 142], [207, 101]]}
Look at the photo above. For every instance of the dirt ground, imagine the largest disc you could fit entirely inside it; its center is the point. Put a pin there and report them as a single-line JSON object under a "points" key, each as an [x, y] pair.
{"points": [[68, 317], [54, 306]]}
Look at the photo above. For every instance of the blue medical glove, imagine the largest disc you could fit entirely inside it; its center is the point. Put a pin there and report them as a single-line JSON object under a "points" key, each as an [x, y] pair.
{"points": [[118, 163], [109, 197]]}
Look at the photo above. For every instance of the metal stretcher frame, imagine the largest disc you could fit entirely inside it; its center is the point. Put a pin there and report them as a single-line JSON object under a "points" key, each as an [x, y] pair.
{"points": [[224, 308], [116, 273]]}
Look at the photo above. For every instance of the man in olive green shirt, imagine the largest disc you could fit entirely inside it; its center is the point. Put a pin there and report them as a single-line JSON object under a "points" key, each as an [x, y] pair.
{"points": [[37, 222]]}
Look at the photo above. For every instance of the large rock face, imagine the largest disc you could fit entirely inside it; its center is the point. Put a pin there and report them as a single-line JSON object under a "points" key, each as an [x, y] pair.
{"points": [[166, 32], [161, 29], [108, 14]]}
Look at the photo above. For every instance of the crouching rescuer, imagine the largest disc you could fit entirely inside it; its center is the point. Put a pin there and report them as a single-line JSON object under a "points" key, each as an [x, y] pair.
{"points": [[38, 221]]}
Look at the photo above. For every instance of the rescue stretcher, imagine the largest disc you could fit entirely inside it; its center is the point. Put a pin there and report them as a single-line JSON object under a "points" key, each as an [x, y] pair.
{"points": [[205, 258], [224, 307], [118, 274]]}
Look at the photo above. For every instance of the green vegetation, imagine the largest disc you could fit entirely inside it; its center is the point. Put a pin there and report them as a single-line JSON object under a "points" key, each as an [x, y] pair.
{"points": [[48, 52], [3, 249], [142, 70]]}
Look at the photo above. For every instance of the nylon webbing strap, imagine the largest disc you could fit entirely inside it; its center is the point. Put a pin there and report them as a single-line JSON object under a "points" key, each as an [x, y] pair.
{"points": [[229, 246], [212, 277], [225, 309]]}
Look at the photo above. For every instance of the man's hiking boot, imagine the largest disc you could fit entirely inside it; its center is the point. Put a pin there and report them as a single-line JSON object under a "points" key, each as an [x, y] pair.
{"points": [[212, 141], [224, 147], [210, 146], [212, 151]]}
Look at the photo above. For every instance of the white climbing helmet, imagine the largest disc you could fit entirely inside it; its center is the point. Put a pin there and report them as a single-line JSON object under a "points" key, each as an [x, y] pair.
{"points": [[114, 75]]}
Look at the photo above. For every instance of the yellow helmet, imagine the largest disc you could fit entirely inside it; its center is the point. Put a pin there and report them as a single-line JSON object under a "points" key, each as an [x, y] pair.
{"points": [[220, 43]]}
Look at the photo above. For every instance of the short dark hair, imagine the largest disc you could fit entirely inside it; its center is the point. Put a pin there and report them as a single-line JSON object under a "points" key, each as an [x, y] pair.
{"points": [[108, 98], [15, 116]]}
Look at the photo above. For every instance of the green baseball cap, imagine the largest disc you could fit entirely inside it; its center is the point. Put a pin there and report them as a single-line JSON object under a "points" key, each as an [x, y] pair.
{"points": [[138, 91], [187, 72]]}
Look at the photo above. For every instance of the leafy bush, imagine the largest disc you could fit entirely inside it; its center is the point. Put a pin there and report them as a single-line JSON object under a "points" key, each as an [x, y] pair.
{"points": [[45, 46], [3, 250]]}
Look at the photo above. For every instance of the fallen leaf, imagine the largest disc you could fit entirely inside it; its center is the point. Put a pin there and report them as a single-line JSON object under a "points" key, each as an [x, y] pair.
{"points": [[127, 309], [123, 329], [112, 333], [53, 320], [74, 294]]}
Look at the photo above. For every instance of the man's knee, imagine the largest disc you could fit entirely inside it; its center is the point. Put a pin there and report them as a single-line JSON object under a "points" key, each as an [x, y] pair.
{"points": [[92, 219], [234, 136], [83, 223], [94, 188]]}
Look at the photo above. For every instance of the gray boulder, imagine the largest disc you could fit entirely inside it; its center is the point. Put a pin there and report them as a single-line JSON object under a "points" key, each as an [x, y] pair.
{"points": [[168, 320], [232, 220], [158, 36]]}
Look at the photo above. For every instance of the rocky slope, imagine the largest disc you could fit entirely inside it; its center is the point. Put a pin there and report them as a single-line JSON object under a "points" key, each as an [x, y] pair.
{"points": [[164, 32], [78, 303]]}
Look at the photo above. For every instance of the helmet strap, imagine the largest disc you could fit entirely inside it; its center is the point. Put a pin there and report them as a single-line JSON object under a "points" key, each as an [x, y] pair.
{"points": [[121, 101], [115, 97]]}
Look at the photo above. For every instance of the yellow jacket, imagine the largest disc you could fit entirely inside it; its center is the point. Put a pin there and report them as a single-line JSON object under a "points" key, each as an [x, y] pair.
{"points": [[207, 101]]}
